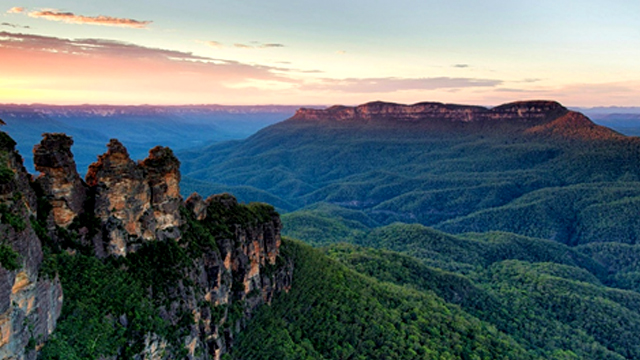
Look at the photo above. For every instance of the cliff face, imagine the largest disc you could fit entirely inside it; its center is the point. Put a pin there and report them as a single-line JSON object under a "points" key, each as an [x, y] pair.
{"points": [[241, 273], [223, 259], [426, 111], [30, 302]]}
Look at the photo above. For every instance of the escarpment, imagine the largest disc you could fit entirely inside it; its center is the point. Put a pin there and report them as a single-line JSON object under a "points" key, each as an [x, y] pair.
{"points": [[432, 111], [204, 265], [538, 118]]}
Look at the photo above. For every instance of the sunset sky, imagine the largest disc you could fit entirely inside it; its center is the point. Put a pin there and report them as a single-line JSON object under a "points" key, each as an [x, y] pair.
{"points": [[581, 53]]}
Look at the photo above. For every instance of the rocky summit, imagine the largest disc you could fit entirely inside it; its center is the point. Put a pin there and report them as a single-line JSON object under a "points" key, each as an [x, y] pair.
{"points": [[228, 263]]}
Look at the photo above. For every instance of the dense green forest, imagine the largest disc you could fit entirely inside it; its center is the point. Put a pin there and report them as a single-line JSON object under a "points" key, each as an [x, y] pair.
{"points": [[333, 312], [356, 302]]}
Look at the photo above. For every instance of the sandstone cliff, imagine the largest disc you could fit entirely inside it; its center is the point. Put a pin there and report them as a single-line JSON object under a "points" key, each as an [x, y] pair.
{"points": [[135, 201], [426, 111], [30, 302], [205, 264]]}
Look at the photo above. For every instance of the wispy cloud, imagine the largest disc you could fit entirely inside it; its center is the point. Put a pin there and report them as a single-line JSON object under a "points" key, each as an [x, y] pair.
{"points": [[213, 44], [392, 84], [461, 66], [15, 10], [71, 18], [341, 52], [15, 26], [99, 47], [258, 45]]}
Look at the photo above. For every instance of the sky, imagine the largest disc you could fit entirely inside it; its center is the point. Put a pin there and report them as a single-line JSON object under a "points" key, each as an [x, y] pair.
{"points": [[245, 52]]}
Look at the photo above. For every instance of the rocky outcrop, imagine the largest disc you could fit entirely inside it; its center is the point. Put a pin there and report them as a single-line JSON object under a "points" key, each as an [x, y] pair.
{"points": [[430, 111], [59, 178], [162, 170], [197, 205], [135, 202], [122, 198], [128, 207], [30, 302]]}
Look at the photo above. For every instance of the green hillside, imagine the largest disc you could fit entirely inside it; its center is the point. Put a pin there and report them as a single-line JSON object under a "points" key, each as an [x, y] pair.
{"points": [[332, 312], [355, 302], [547, 307]]}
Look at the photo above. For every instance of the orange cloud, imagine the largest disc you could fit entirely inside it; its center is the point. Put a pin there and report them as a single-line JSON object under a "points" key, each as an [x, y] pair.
{"points": [[72, 18], [213, 44], [15, 10]]}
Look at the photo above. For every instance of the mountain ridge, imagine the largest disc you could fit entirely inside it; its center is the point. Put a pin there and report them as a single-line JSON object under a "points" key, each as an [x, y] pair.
{"points": [[530, 110]]}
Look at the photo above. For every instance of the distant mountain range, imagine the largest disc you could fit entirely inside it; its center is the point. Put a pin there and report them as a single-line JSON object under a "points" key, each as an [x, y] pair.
{"points": [[622, 119], [138, 127], [183, 126]]}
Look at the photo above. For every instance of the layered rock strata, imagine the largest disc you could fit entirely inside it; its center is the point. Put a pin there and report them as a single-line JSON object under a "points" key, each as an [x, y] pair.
{"points": [[425, 111]]}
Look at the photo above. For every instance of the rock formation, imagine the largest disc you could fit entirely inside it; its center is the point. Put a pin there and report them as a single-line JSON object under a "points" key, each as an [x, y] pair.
{"points": [[126, 208], [162, 170], [135, 202], [30, 302], [60, 179]]}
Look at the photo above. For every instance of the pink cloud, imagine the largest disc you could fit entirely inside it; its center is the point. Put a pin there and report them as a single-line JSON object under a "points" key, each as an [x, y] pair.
{"points": [[101, 70], [72, 18], [15, 10]]}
